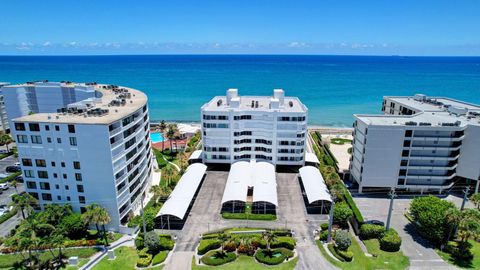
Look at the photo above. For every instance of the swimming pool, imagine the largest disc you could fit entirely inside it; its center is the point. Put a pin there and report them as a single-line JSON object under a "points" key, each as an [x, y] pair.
{"points": [[156, 137]]}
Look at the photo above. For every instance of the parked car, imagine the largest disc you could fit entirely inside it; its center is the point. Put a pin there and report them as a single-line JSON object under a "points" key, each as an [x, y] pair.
{"points": [[375, 222], [12, 169], [4, 175], [4, 186], [16, 164], [3, 151], [19, 179]]}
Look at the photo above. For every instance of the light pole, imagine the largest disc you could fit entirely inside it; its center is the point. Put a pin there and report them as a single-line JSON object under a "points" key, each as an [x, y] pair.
{"points": [[143, 216], [330, 220], [392, 196]]}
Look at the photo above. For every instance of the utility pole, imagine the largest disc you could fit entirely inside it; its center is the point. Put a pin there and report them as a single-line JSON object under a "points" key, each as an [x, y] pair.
{"points": [[392, 196], [143, 217], [465, 197], [330, 219]]}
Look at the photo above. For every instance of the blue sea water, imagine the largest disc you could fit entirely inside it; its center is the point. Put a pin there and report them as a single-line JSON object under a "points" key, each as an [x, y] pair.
{"points": [[332, 87]]}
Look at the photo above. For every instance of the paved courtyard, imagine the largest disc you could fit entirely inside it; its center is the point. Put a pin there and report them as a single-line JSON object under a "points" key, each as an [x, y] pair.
{"points": [[291, 213], [421, 253]]}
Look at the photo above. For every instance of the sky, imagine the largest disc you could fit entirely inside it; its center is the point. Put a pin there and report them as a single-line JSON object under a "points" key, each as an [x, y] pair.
{"points": [[367, 27]]}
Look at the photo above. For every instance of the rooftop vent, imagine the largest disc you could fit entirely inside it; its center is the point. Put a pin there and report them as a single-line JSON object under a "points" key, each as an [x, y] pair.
{"points": [[410, 123], [219, 103], [290, 103]]}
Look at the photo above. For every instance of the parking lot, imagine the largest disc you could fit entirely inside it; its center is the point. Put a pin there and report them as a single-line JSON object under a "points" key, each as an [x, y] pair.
{"points": [[6, 196], [422, 255]]}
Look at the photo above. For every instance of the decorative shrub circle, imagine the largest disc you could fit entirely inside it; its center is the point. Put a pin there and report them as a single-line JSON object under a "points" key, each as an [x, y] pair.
{"points": [[216, 257], [272, 257], [390, 241]]}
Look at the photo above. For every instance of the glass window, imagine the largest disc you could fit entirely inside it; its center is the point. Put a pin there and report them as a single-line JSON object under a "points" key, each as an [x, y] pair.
{"points": [[49, 140], [47, 127], [57, 128], [34, 127], [78, 176], [36, 139], [81, 199], [40, 163], [26, 162], [22, 139], [20, 126], [46, 196], [59, 140], [42, 174], [44, 185], [80, 188], [28, 173], [73, 141], [71, 129], [31, 185], [76, 165]]}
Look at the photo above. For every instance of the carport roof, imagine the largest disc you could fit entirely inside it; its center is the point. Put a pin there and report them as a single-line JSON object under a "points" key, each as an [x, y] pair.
{"points": [[179, 200], [314, 185], [311, 157], [259, 175], [196, 154]]}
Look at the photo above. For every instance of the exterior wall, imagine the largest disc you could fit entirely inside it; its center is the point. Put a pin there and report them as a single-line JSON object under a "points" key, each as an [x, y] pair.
{"points": [[469, 160], [3, 113], [259, 137]]}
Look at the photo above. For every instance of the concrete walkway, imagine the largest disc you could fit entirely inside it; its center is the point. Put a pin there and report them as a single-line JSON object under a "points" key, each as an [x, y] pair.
{"points": [[174, 165]]}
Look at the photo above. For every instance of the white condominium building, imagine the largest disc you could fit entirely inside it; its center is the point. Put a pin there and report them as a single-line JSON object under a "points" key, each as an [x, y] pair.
{"points": [[264, 128], [420, 143], [4, 126], [94, 150]]}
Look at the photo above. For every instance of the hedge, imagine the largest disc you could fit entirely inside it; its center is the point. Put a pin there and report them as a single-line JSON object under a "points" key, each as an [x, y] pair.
{"points": [[210, 236], [346, 255], [356, 213], [324, 236], [144, 258], [324, 226], [390, 241], [282, 233], [10, 177], [166, 242], [227, 215], [7, 216], [207, 245], [213, 258], [370, 231], [284, 241], [263, 257], [160, 257]]}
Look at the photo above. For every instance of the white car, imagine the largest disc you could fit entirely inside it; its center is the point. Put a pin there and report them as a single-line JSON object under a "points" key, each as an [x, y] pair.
{"points": [[4, 186], [16, 164]]}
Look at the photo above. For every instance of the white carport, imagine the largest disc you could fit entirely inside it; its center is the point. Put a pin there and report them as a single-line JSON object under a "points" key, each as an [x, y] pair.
{"points": [[311, 158], [195, 157], [315, 189], [238, 182], [264, 188], [181, 197]]}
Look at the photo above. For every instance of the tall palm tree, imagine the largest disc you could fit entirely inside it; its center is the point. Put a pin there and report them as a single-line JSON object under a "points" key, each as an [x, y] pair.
{"points": [[103, 218], [475, 198], [158, 192], [5, 139], [169, 172], [223, 238], [269, 237], [183, 161], [24, 203], [163, 126], [90, 215], [452, 217], [171, 133]]}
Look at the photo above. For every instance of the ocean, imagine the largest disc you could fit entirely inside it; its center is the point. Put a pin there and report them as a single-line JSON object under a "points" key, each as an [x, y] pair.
{"points": [[333, 87]]}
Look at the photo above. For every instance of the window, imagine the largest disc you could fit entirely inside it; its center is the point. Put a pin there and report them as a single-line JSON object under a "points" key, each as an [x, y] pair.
{"points": [[76, 165], [40, 163], [64, 176], [42, 174], [81, 199], [28, 173], [83, 210], [68, 198], [34, 127], [78, 176], [31, 185], [80, 188], [408, 133], [59, 198], [62, 164], [71, 129], [57, 186], [57, 128], [73, 141], [47, 127], [44, 186], [53, 163], [55, 175], [46, 196], [49, 140], [20, 126], [59, 140], [26, 162], [34, 194], [67, 187], [22, 139], [36, 139]]}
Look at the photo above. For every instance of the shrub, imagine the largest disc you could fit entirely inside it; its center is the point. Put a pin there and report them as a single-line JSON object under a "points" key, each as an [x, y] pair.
{"points": [[356, 212], [343, 240], [207, 245], [152, 242], [324, 226], [341, 213], [287, 253], [215, 258], [369, 231], [73, 226], [258, 242], [160, 257], [230, 246], [324, 235], [268, 257], [390, 241], [144, 258], [166, 242], [282, 233], [346, 255], [139, 243], [333, 250], [285, 242], [246, 249], [210, 236]]}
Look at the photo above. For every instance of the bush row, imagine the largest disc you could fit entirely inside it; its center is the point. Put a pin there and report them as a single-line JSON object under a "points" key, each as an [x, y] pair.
{"points": [[270, 257], [160, 257], [144, 258], [215, 258], [370, 231], [207, 245], [228, 215]]}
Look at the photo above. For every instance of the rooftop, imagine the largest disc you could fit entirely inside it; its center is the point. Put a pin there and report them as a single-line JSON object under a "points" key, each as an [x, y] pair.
{"points": [[425, 103], [110, 104], [277, 102]]}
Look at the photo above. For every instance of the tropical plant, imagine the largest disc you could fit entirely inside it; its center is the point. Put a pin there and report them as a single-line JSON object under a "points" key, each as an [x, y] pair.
{"points": [[158, 192], [103, 218], [223, 238], [152, 242], [268, 237], [342, 213], [183, 161], [5, 139], [475, 198], [73, 226], [171, 134], [169, 173], [452, 218], [163, 126], [24, 203]]}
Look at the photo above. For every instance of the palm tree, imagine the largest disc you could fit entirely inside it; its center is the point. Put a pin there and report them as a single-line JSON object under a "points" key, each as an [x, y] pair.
{"points": [[14, 184], [103, 218], [269, 237], [171, 132], [468, 226], [183, 161], [89, 216], [24, 203], [158, 192], [223, 238], [452, 217], [163, 126], [5, 139], [169, 173], [475, 198]]}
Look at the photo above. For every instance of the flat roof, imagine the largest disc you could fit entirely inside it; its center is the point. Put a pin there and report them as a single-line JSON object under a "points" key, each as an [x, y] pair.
{"points": [[136, 101], [314, 184], [245, 104], [179, 200], [436, 119], [437, 105]]}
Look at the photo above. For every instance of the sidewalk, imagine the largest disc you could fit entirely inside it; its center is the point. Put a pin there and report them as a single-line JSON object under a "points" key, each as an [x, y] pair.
{"points": [[126, 240]]}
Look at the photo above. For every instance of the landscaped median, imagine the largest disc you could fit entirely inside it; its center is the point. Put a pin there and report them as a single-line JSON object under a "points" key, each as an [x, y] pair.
{"points": [[125, 259], [254, 247], [248, 214]]}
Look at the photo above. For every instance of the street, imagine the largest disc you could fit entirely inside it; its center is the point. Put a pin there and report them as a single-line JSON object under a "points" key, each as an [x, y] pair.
{"points": [[6, 197]]}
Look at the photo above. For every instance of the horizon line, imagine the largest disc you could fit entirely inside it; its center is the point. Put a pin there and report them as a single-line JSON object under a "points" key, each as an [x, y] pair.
{"points": [[235, 54]]}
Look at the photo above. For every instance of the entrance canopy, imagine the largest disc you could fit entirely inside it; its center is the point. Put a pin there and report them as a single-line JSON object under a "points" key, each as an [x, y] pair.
{"points": [[315, 187], [181, 197]]}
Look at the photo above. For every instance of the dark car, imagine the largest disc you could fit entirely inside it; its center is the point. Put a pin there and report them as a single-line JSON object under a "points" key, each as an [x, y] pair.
{"points": [[12, 169], [375, 222], [19, 179]]}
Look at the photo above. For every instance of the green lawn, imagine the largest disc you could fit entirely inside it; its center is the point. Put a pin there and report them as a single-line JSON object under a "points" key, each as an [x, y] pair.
{"points": [[474, 264], [248, 214], [340, 141], [126, 258], [7, 260], [246, 262], [384, 260]]}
